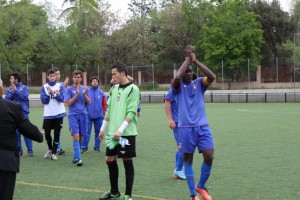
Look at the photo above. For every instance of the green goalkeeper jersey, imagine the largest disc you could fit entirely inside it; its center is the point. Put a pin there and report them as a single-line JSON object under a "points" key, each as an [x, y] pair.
{"points": [[123, 102]]}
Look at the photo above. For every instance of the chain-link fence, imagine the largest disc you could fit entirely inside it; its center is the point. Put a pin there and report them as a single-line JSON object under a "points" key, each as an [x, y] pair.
{"points": [[148, 77]]}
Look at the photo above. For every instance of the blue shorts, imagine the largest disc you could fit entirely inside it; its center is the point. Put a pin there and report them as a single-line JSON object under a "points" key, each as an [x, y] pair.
{"points": [[78, 124], [176, 135], [192, 137]]}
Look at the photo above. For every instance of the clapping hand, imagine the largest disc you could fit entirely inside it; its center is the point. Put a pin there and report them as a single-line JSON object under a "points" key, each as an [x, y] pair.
{"points": [[190, 52], [50, 91], [85, 90]]}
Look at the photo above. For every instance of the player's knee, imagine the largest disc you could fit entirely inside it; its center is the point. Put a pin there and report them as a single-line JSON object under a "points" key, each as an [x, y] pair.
{"points": [[208, 158], [75, 137], [188, 158], [109, 159]]}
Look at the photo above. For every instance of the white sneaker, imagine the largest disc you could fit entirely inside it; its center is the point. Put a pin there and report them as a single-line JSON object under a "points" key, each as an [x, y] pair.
{"points": [[48, 154], [79, 163], [54, 157]]}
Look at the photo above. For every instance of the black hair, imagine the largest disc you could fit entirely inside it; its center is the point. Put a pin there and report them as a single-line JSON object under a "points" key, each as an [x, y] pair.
{"points": [[120, 67], [55, 69], [17, 76], [94, 77], [76, 72], [50, 71]]}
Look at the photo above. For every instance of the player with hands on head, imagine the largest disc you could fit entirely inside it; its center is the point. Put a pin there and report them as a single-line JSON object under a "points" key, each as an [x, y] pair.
{"points": [[193, 125], [121, 115]]}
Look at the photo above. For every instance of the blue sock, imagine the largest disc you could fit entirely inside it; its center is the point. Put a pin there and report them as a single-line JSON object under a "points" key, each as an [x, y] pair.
{"points": [[179, 161], [76, 147], [176, 160], [189, 173], [205, 173]]}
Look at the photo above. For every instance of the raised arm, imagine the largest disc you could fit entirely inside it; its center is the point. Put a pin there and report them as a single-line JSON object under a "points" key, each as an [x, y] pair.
{"points": [[208, 73], [189, 54]]}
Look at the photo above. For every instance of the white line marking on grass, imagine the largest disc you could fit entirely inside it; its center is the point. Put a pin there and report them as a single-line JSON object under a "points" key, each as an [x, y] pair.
{"points": [[267, 111], [79, 189]]}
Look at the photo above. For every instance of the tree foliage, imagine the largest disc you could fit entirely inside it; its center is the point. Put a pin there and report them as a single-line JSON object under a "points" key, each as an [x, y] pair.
{"points": [[231, 31], [277, 27], [21, 24], [231, 35]]}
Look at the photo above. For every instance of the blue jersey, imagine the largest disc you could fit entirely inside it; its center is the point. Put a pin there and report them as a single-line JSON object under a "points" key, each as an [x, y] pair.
{"points": [[79, 106], [174, 108], [21, 95], [190, 101], [63, 85]]}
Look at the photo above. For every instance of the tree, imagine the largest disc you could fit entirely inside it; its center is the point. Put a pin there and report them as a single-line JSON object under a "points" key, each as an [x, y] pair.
{"points": [[81, 41], [172, 37], [233, 35], [21, 23], [141, 8], [276, 24]]}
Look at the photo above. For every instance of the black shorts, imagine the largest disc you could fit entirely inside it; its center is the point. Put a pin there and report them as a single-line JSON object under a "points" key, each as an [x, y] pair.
{"points": [[56, 123], [127, 152]]}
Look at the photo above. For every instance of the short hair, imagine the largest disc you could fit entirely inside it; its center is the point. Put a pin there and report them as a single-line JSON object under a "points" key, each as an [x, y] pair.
{"points": [[121, 67], [55, 69], [50, 71], [76, 72], [17, 76], [94, 77]]}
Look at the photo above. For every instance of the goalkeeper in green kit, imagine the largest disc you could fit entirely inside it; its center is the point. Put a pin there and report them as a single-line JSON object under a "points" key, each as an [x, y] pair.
{"points": [[121, 116]]}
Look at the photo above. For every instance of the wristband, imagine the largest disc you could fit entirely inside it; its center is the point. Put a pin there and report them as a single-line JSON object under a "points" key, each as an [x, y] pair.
{"points": [[104, 126], [123, 126]]}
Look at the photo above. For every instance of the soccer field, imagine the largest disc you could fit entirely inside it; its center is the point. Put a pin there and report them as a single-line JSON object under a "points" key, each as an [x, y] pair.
{"points": [[256, 157]]}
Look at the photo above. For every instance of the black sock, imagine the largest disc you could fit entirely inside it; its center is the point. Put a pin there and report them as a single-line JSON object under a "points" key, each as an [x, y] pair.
{"points": [[113, 176], [48, 138], [129, 172], [55, 140]]}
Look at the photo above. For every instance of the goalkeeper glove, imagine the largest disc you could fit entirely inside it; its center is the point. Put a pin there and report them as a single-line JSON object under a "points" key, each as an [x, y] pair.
{"points": [[110, 142], [108, 139]]}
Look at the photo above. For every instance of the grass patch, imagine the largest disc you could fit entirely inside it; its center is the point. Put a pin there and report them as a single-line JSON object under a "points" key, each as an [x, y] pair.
{"points": [[255, 158]]}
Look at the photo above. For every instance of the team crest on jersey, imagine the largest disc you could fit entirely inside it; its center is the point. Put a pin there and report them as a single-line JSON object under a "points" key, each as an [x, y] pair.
{"points": [[195, 86]]}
